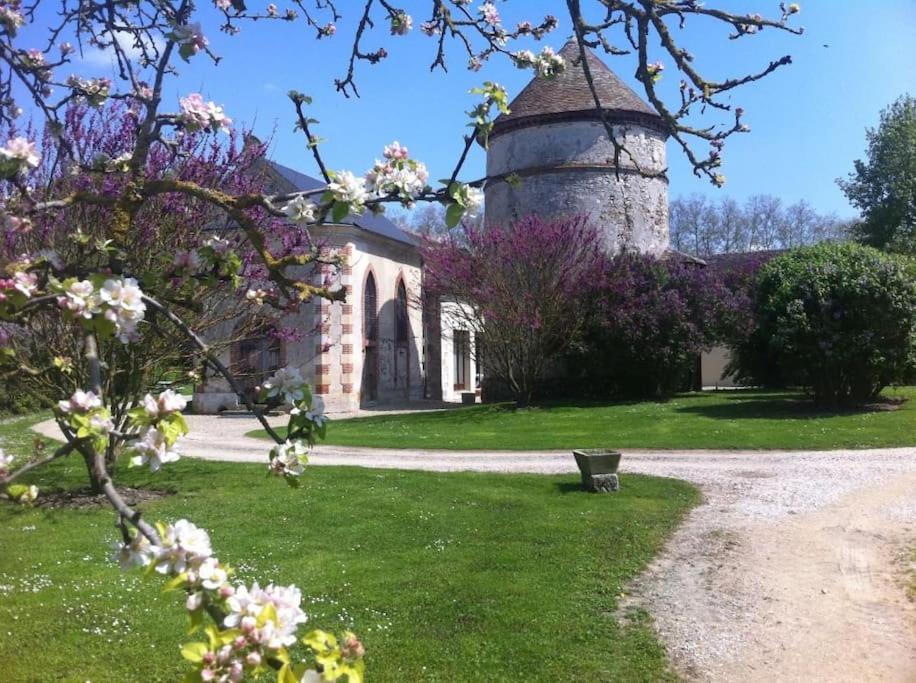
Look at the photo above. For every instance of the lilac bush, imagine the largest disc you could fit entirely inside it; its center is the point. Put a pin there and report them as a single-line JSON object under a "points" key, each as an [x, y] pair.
{"points": [[524, 289], [651, 319]]}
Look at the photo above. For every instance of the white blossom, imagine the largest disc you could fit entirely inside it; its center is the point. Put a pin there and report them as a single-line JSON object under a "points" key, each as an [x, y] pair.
{"points": [[29, 495], [6, 462], [401, 23], [126, 309], [183, 546], [346, 187], [315, 413], [138, 553], [300, 210], [398, 174], [95, 91], [257, 295], [25, 282], [473, 202], [101, 423], [166, 403], [17, 155], [199, 115], [289, 458], [153, 449], [80, 402], [191, 37], [286, 382], [218, 244], [81, 299], [489, 13], [11, 20], [212, 575], [277, 633]]}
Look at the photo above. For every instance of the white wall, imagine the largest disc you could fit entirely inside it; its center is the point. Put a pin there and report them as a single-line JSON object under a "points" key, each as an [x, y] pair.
{"points": [[454, 316]]}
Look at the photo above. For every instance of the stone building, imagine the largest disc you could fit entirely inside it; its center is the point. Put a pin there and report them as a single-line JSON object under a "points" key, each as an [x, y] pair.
{"points": [[550, 156], [555, 144]]}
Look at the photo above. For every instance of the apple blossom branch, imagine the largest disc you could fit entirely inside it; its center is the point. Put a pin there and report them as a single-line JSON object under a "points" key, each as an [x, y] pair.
{"points": [[643, 19]]}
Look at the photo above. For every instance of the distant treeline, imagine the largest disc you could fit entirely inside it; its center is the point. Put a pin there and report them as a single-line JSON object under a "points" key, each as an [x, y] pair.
{"points": [[702, 226]]}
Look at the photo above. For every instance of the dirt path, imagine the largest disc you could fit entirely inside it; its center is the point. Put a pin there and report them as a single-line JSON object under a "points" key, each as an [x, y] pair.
{"points": [[786, 572], [805, 591]]}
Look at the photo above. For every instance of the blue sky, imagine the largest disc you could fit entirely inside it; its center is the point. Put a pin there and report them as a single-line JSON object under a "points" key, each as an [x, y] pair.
{"points": [[808, 119]]}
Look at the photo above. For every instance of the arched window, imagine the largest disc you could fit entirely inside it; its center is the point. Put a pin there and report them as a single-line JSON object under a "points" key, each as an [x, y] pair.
{"points": [[402, 321], [370, 310]]}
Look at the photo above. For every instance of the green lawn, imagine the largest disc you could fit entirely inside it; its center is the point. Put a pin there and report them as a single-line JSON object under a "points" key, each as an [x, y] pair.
{"points": [[725, 419], [448, 577]]}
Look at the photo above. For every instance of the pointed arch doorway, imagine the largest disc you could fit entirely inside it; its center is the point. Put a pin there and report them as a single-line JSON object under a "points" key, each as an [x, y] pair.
{"points": [[369, 386]]}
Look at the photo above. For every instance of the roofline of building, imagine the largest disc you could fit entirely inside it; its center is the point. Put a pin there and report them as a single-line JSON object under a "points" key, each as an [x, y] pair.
{"points": [[358, 230], [614, 116]]}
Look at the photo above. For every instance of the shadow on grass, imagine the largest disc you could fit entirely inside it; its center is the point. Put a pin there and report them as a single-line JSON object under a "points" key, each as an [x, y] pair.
{"points": [[779, 407], [565, 487]]}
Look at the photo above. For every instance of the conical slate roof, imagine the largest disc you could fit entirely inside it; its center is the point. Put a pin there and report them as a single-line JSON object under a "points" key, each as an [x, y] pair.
{"points": [[568, 95]]}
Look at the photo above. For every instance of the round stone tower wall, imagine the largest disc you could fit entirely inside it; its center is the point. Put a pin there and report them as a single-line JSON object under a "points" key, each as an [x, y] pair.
{"points": [[567, 168]]}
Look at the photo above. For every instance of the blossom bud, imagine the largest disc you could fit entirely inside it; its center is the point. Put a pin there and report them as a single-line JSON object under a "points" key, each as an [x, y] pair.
{"points": [[248, 624], [207, 675], [225, 652], [253, 658], [208, 658], [194, 601], [240, 642], [236, 671], [226, 591], [352, 647]]}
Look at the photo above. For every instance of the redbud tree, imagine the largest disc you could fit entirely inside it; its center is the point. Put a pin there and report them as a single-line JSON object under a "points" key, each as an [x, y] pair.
{"points": [[76, 207]]}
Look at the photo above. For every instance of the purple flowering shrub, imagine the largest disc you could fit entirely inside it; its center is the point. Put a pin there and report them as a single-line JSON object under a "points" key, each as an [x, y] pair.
{"points": [[652, 318], [525, 289], [839, 319], [180, 248]]}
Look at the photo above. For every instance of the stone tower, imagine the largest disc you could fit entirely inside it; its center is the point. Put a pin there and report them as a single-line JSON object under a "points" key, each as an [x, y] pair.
{"points": [[556, 144]]}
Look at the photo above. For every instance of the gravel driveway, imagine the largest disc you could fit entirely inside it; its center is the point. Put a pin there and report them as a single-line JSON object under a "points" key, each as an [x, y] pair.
{"points": [[790, 570]]}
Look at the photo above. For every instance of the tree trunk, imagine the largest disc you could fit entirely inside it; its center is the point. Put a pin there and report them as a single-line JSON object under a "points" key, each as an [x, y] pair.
{"points": [[95, 480]]}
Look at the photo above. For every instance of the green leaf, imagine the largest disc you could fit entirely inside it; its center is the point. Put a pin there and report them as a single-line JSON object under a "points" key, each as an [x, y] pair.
{"points": [[176, 583], [194, 652], [453, 215], [196, 618], [286, 675], [340, 211]]}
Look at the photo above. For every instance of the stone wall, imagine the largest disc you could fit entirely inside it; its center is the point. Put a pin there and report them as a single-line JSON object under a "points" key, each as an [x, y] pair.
{"points": [[331, 351], [567, 168]]}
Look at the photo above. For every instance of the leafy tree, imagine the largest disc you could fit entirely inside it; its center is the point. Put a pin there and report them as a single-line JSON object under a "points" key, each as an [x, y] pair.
{"points": [[837, 318], [883, 186]]}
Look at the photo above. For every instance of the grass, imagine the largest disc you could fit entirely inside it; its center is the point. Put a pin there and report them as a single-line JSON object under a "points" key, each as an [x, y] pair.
{"points": [[447, 577], [725, 419]]}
